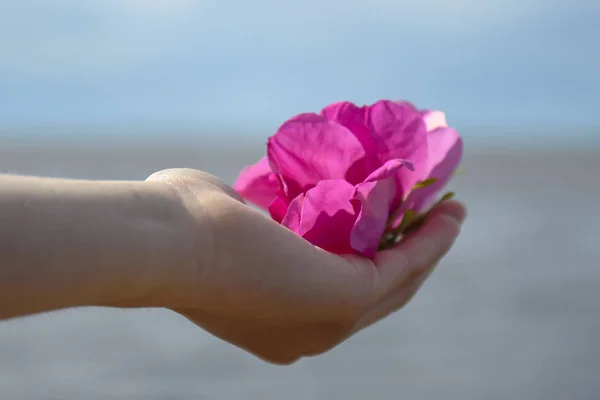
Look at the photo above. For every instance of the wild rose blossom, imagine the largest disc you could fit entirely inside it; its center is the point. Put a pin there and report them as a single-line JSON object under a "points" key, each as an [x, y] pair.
{"points": [[350, 179]]}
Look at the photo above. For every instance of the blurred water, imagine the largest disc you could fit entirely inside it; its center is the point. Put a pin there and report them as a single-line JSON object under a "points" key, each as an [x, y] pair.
{"points": [[512, 312]]}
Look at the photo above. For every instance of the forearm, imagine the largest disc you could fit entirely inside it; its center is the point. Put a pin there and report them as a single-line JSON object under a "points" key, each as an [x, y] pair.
{"points": [[66, 243]]}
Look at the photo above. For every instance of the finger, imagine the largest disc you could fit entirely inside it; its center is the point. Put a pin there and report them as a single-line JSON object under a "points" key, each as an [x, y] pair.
{"points": [[452, 208], [392, 302], [409, 264], [418, 253]]}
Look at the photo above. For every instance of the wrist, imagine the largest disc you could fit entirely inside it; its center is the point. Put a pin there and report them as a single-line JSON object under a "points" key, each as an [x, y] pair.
{"points": [[198, 204], [162, 245], [139, 233]]}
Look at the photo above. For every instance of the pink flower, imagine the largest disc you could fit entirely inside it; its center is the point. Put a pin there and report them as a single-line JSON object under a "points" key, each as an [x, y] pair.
{"points": [[336, 177]]}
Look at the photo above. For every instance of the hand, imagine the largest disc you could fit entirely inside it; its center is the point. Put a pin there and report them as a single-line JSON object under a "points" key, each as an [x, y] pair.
{"points": [[255, 284]]}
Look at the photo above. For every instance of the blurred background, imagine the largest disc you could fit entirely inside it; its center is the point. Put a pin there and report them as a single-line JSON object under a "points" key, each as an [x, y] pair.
{"points": [[118, 89]]}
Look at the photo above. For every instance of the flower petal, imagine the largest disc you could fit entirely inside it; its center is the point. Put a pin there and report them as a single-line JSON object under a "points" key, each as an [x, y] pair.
{"points": [[434, 120], [375, 199], [388, 169], [393, 168], [355, 119], [445, 153], [324, 216], [293, 214], [309, 148], [257, 184], [346, 113], [402, 134], [278, 209]]}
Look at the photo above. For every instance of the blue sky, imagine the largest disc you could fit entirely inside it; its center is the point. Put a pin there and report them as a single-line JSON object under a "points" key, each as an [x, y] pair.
{"points": [[237, 63]]}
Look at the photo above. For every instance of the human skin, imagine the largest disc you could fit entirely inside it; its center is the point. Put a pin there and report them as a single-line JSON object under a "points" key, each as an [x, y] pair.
{"points": [[183, 240]]}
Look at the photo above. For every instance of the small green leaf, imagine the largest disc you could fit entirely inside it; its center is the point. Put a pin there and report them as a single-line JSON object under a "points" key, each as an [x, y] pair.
{"points": [[407, 219], [415, 223], [425, 183], [447, 196], [418, 220], [411, 221]]}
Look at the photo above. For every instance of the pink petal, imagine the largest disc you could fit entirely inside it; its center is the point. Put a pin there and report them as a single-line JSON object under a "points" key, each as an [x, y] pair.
{"points": [[387, 130], [402, 134], [309, 148], [355, 119], [445, 150], [347, 114], [293, 214], [278, 208], [257, 184], [445, 154], [324, 216], [390, 168], [434, 120], [375, 199]]}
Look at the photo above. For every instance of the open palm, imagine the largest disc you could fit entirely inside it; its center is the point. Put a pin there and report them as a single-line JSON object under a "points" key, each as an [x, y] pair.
{"points": [[264, 289]]}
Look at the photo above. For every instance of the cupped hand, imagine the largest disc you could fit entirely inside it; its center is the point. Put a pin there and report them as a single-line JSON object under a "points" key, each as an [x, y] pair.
{"points": [[255, 284]]}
